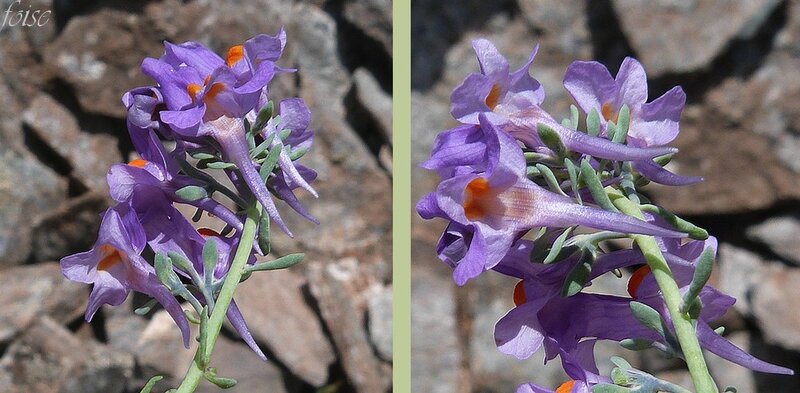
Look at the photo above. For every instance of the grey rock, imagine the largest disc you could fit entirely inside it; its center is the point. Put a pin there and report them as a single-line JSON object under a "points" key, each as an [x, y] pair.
{"points": [[564, 24], [100, 69], [70, 228], [379, 308], [374, 18], [159, 348], [740, 273], [337, 286], [38, 290], [774, 305], [277, 314], [436, 356], [28, 189], [780, 235], [679, 46], [48, 358], [90, 156], [375, 100]]}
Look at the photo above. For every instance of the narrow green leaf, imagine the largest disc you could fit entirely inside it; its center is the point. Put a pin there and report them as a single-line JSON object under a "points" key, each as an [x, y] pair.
{"points": [[620, 377], [608, 388], [221, 165], [298, 153], [262, 118], [144, 310], [166, 275], [221, 382], [210, 259], [203, 156], [648, 316], [720, 330], [551, 139], [550, 178], [730, 389], [574, 116], [280, 263], [636, 344], [593, 123], [621, 363], [151, 383], [284, 134], [694, 231], [264, 234], [180, 261], [701, 275], [191, 316], [576, 280], [623, 121], [573, 171], [204, 352], [191, 193], [555, 249], [269, 163], [595, 186]]}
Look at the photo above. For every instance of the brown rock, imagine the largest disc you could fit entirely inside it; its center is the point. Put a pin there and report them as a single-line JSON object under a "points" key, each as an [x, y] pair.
{"points": [[90, 156], [564, 24], [679, 46], [160, 350], [338, 286], [780, 234], [38, 290], [277, 314], [70, 228], [48, 358]]}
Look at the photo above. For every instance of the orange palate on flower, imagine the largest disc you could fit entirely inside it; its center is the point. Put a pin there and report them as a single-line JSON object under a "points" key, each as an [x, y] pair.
{"points": [[494, 97], [519, 294], [566, 387], [476, 191], [636, 280], [206, 232], [193, 89], [139, 163], [609, 113], [111, 257], [235, 55]]}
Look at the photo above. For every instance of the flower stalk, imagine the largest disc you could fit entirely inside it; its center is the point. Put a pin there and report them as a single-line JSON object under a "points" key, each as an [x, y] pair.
{"points": [[687, 337], [197, 370]]}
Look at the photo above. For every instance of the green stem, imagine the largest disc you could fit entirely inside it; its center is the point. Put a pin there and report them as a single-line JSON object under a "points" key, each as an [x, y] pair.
{"points": [[684, 328], [196, 370]]}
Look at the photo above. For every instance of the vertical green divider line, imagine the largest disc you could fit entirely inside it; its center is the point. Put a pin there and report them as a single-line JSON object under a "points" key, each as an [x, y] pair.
{"points": [[401, 195]]}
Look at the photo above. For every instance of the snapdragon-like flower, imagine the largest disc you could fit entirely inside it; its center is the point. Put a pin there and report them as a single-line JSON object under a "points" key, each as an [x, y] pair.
{"points": [[513, 102], [206, 99], [651, 124], [501, 203], [115, 267]]}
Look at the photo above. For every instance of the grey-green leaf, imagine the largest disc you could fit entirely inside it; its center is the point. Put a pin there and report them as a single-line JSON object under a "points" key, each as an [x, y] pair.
{"points": [[191, 193]]}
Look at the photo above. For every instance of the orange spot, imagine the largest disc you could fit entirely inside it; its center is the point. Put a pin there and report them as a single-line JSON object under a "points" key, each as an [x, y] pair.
{"points": [[474, 195], [139, 163], [494, 97], [111, 257], [235, 55], [566, 387], [609, 113], [636, 280], [207, 232], [519, 294], [193, 89], [214, 90]]}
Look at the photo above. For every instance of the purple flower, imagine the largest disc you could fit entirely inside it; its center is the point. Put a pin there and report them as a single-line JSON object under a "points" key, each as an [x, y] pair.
{"points": [[501, 203], [513, 102], [651, 124], [206, 97], [167, 231], [115, 266], [580, 366]]}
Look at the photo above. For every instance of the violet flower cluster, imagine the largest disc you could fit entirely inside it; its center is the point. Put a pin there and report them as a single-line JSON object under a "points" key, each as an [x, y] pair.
{"points": [[216, 115], [516, 183]]}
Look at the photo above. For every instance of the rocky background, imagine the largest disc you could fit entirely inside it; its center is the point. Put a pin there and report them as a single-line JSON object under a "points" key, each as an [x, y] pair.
{"points": [[739, 62], [326, 325]]}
